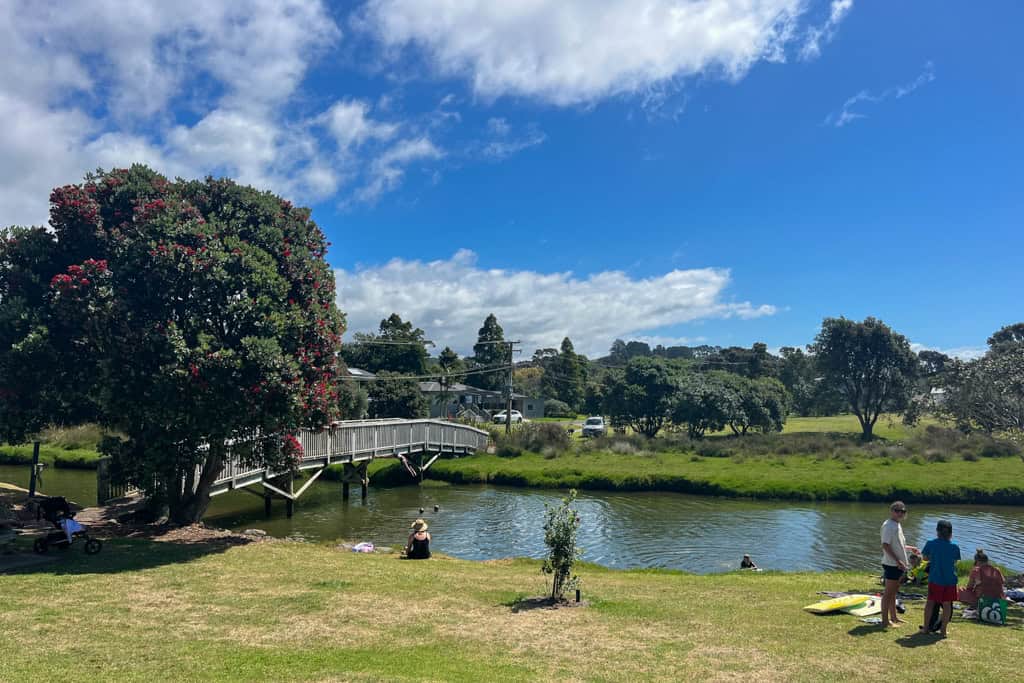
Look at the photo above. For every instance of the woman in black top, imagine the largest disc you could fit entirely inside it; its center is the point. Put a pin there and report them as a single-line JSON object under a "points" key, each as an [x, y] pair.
{"points": [[418, 547]]}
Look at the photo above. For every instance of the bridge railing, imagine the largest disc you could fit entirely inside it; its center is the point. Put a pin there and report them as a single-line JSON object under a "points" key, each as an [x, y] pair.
{"points": [[340, 441]]}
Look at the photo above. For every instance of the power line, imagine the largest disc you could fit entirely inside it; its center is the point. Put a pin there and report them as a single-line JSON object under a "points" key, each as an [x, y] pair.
{"points": [[384, 342], [434, 376]]}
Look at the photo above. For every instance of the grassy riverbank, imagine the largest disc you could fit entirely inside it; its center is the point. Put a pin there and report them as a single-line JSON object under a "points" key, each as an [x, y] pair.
{"points": [[55, 457], [791, 476], [284, 612], [66, 447]]}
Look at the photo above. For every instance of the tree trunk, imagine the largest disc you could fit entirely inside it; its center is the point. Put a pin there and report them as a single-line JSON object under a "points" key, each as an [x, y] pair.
{"points": [[868, 428], [192, 505]]}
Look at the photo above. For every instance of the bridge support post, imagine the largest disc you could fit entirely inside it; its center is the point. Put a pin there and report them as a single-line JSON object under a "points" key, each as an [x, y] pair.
{"points": [[289, 503], [267, 498], [355, 473]]}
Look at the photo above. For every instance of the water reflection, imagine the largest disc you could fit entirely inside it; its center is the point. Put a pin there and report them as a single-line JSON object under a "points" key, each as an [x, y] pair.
{"points": [[633, 529], [619, 529]]}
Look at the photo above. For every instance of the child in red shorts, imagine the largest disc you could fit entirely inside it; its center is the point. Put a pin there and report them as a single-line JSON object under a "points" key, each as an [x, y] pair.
{"points": [[942, 555]]}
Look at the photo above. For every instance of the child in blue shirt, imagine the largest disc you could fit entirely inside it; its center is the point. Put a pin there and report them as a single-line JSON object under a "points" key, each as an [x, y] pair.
{"points": [[942, 555]]}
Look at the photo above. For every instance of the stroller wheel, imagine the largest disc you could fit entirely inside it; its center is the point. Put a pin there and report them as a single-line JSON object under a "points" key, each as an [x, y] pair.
{"points": [[40, 546], [93, 546]]}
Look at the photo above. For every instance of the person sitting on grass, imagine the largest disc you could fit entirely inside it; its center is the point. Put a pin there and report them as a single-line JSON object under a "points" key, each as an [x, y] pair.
{"points": [[986, 581], [918, 572], [942, 555], [418, 547], [747, 563]]}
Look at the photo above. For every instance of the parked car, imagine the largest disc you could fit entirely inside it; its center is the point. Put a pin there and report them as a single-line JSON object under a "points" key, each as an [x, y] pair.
{"points": [[499, 418], [593, 426]]}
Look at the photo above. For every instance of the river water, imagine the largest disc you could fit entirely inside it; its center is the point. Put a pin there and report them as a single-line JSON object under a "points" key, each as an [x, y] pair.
{"points": [[693, 533]]}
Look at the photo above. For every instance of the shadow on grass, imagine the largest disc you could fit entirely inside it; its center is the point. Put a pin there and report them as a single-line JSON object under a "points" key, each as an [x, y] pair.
{"points": [[523, 604], [919, 639], [127, 555]]}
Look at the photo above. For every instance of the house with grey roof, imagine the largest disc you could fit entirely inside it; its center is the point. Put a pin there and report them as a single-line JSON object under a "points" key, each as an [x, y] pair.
{"points": [[463, 398]]}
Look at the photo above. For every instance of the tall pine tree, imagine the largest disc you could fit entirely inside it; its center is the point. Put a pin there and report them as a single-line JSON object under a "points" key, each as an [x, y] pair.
{"points": [[487, 354]]}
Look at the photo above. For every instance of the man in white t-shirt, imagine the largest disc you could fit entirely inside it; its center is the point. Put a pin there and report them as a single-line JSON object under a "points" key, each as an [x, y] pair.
{"points": [[894, 561]]}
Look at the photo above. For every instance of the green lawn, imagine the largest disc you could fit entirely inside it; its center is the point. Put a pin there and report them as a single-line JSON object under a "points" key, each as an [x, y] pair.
{"points": [[793, 476], [887, 427], [146, 611], [53, 456]]}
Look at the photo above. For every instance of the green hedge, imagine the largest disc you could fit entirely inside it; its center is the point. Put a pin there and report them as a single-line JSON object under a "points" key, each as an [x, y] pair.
{"points": [[55, 457]]}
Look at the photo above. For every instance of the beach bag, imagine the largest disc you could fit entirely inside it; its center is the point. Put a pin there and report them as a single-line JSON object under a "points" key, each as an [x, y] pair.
{"points": [[992, 610]]}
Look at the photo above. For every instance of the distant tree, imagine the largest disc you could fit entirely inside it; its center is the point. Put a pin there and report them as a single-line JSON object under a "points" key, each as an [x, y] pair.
{"points": [[397, 347], [352, 396], [393, 396], [706, 402], [204, 311], [489, 354], [642, 396], [528, 381], [555, 408], [637, 349], [594, 396], [617, 353], [988, 393], [797, 372], [870, 365], [932, 366], [564, 375], [1009, 335], [546, 359], [753, 362], [761, 403], [448, 362]]}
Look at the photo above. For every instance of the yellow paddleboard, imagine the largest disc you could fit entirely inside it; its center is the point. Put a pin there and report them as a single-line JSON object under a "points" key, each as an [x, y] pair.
{"points": [[834, 604], [872, 606]]}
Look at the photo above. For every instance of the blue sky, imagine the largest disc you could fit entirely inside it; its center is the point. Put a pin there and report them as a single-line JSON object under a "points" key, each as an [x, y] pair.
{"points": [[716, 172]]}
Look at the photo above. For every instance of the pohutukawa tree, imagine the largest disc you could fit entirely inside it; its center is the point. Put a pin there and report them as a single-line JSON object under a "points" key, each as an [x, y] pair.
{"points": [[207, 313], [869, 364]]}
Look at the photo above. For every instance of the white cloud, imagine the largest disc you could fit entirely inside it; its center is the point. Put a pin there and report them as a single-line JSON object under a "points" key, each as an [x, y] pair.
{"points": [[349, 123], [847, 115], [498, 126], [95, 83], [505, 145], [450, 299], [818, 35], [961, 352], [387, 170], [579, 51]]}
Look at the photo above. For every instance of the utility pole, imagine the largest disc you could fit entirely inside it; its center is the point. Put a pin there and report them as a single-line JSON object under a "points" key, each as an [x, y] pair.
{"points": [[508, 389]]}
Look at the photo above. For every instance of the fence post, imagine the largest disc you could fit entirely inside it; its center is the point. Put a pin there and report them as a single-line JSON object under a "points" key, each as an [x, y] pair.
{"points": [[35, 469], [102, 480]]}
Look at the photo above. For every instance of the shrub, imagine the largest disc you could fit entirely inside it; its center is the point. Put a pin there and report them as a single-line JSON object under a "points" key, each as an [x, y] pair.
{"points": [[555, 408], [560, 527], [999, 449], [84, 437], [537, 437], [534, 437], [508, 450], [622, 447], [713, 449]]}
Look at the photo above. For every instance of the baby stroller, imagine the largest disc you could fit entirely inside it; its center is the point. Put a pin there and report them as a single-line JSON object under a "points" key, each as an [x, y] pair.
{"points": [[57, 511]]}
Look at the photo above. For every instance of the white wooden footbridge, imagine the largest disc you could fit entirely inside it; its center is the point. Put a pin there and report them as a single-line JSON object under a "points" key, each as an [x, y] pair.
{"points": [[352, 443]]}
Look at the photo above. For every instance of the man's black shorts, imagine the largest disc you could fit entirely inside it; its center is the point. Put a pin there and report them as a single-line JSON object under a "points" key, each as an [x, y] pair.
{"points": [[892, 573]]}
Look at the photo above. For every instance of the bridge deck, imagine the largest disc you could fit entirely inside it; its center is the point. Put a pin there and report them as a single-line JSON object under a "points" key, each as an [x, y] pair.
{"points": [[351, 441], [357, 441]]}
